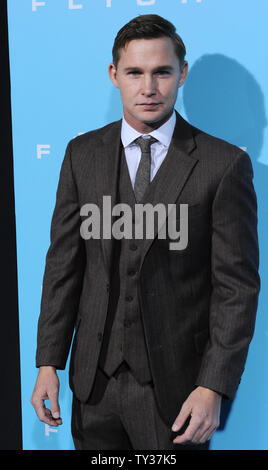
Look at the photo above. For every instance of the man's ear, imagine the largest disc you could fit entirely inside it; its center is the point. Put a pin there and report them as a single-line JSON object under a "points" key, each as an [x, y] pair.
{"points": [[184, 72], [113, 74]]}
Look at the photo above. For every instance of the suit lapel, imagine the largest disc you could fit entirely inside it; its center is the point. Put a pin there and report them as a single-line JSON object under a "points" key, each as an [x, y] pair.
{"points": [[166, 185], [107, 158], [172, 175]]}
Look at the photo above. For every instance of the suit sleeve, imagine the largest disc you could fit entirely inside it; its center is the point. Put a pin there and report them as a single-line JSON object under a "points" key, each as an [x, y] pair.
{"points": [[234, 277], [63, 275]]}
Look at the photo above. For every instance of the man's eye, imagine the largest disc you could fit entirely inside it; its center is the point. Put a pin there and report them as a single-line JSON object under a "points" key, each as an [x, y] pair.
{"points": [[163, 72], [134, 72]]}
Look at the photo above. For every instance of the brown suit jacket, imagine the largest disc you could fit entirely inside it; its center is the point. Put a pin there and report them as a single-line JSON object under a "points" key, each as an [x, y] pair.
{"points": [[198, 305]]}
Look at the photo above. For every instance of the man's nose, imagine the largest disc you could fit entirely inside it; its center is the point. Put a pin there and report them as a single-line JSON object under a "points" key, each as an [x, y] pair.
{"points": [[148, 85]]}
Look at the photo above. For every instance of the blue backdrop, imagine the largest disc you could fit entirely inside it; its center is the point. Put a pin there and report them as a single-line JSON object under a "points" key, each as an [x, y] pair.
{"points": [[59, 55]]}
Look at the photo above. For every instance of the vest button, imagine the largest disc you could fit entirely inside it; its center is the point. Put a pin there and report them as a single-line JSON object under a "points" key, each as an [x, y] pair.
{"points": [[127, 323], [129, 298], [131, 272], [133, 247]]}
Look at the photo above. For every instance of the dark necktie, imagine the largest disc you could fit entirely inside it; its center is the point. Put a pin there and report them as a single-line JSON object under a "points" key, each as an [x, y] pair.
{"points": [[142, 179]]}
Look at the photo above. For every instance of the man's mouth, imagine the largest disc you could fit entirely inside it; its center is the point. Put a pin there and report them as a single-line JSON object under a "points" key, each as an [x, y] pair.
{"points": [[149, 105]]}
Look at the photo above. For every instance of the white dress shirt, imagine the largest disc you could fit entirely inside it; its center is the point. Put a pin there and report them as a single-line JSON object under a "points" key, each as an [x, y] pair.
{"points": [[158, 149]]}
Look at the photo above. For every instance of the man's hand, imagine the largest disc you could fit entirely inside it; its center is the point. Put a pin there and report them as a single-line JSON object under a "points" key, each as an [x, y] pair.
{"points": [[47, 387], [203, 405]]}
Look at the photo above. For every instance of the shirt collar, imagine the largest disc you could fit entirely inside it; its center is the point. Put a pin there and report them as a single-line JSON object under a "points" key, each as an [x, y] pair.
{"points": [[163, 134]]}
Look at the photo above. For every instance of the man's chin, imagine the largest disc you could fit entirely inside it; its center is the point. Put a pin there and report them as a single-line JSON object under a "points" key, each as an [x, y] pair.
{"points": [[154, 119]]}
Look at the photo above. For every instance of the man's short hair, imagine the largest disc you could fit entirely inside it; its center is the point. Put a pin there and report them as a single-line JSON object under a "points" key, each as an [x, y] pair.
{"points": [[148, 27]]}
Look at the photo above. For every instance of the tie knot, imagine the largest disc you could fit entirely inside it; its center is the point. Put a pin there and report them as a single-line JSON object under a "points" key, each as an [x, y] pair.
{"points": [[145, 143]]}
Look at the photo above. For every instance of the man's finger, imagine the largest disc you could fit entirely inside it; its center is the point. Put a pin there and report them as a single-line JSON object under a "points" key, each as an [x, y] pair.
{"points": [[181, 418], [207, 435], [54, 404], [188, 435], [47, 418], [43, 413], [201, 434], [52, 421]]}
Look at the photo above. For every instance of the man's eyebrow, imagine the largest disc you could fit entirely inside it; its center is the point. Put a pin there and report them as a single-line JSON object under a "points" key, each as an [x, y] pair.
{"points": [[157, 69]]}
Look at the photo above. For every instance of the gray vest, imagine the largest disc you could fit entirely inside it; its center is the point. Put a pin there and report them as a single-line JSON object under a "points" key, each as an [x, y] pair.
{"points": [[124, 338]]}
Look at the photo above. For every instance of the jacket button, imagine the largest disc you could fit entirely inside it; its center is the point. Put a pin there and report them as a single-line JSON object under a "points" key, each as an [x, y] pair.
{"points": [[107, 287], [99, 336], [129, 298], [127, 323]]}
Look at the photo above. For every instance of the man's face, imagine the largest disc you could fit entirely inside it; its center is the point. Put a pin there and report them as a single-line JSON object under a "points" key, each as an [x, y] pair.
{"points": [[148, 75]]}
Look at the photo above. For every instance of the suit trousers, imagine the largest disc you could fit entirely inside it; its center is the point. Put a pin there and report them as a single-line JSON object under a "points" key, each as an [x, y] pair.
{"points": [[122, 414]]}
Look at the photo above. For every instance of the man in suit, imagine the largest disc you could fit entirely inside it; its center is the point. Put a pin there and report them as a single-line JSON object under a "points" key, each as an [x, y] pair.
{"points": [[161, 335]]}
